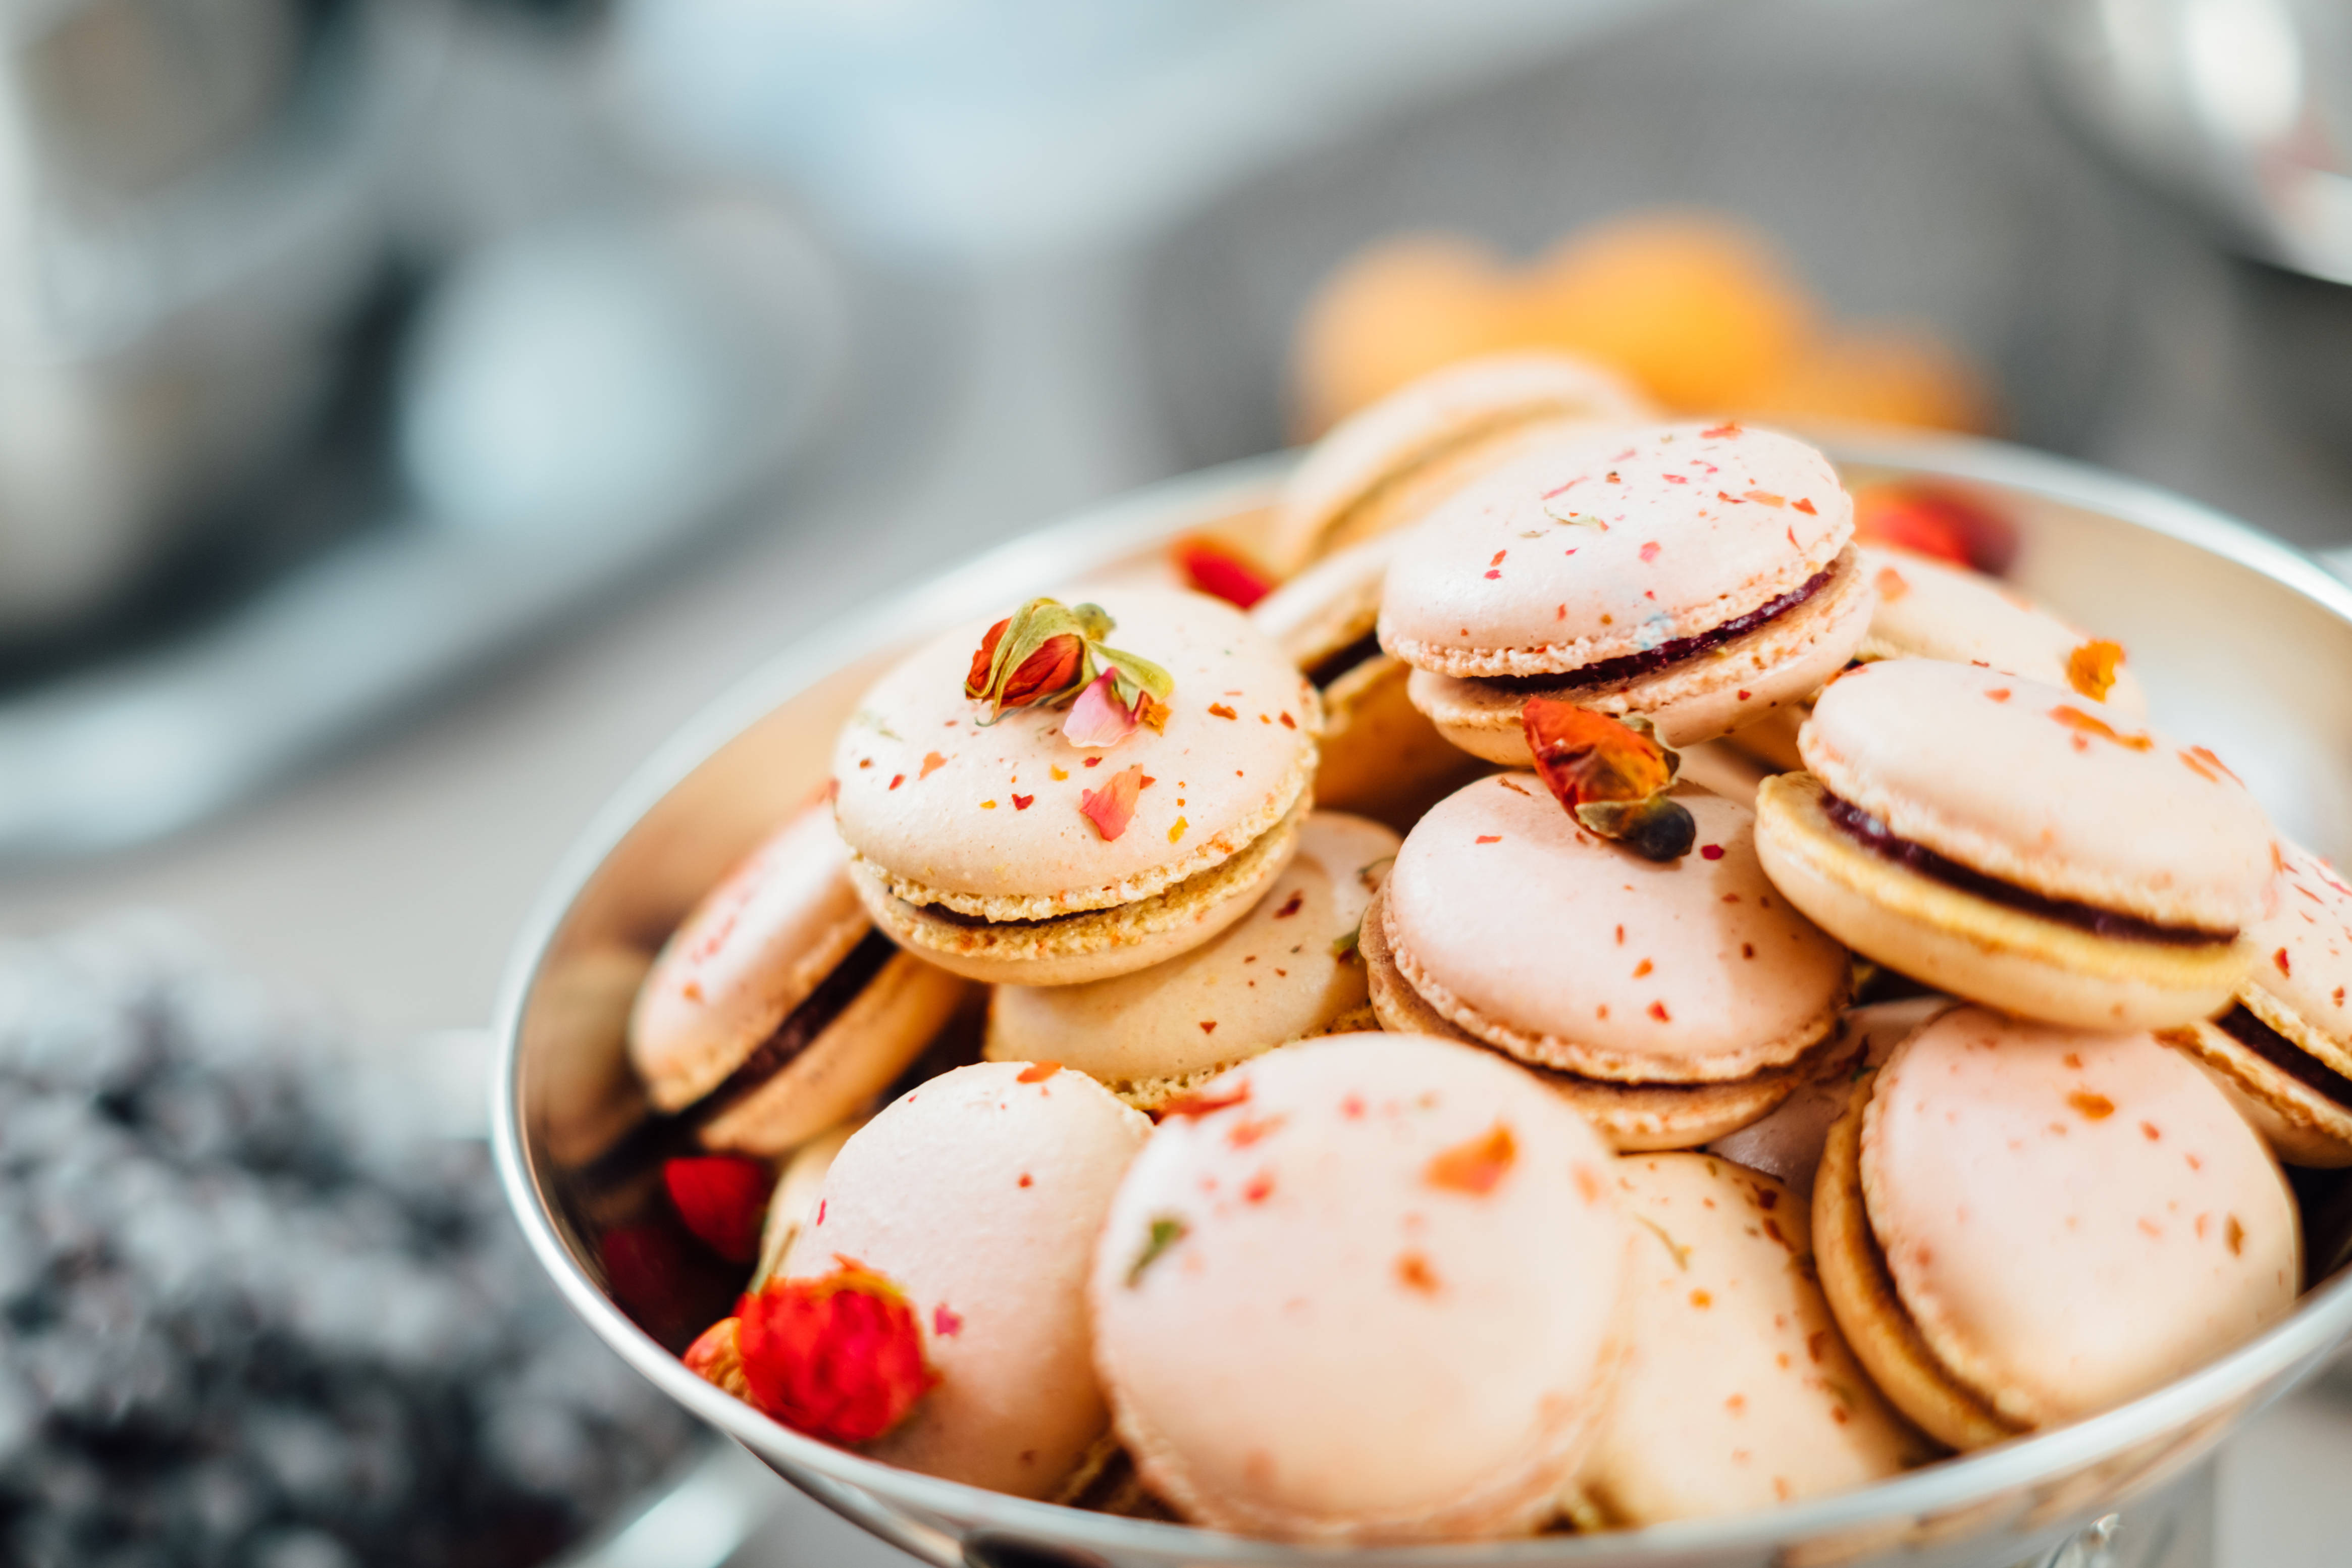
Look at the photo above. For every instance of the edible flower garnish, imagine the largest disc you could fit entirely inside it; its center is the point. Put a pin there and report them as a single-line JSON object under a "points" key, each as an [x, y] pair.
{"points": [[723, 1199], [1476, 1165], [1112, 808], [1612, 777], [839, 1357], [716, 1356], [1047, 652], [1215, 569], [2091, 668]]}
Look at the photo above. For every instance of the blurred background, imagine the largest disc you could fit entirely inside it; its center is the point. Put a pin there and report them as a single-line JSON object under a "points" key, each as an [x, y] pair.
{"points": [[412, 410]]}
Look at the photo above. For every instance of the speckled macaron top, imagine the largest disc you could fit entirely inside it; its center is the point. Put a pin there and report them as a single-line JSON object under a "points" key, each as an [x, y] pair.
{"points": [[1461, 403], [1287, 970], [979, 1194], [2071, 1219], [1927, 609], [1738, 1392], [2044, 789], [2301, 983], [1611, 545], [1368, 1292], [748, 954], [985, 819], [1531, 932]]}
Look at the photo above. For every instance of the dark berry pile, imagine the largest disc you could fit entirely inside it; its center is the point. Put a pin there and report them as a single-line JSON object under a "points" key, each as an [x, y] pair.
{"points": [[251, 1313]]}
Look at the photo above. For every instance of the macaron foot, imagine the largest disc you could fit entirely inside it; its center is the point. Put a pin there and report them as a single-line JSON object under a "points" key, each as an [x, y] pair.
{"points": [[1955, 941], [2303, 1125], [1861, 1295], [1634, 1117], [1703, 697], [1097, 943]]}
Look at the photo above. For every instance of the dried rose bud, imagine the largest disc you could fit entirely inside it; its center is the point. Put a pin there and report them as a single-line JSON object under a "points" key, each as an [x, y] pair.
{"points": [[1045, 653], [839, 1357], [716, 1356], [1612, 777], [723, 1199]]}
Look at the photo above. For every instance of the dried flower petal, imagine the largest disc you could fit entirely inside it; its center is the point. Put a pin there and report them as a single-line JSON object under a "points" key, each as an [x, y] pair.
{"points": [[1207, 1101], [1476, 1166], [1933, 520], [2084, 724], [723, 1199], [1112, 808], [839, 1357], [716, 1356], [1213, 569], [1166, 1231], [1612, 777], [2091, 668], [1099, 719]]}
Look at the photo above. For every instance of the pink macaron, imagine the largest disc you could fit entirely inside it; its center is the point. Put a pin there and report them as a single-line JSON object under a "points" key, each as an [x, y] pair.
{"points": [[1366, 1290], [776, 1009], [2020, 1224], [979, 1195], [1738, 1392], [1697, 575], [2020, 844], [1671, 1002]]}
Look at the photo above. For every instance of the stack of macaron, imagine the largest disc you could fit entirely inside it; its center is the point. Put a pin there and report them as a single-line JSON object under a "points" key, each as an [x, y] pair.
{"points": [[1172, 1013]]}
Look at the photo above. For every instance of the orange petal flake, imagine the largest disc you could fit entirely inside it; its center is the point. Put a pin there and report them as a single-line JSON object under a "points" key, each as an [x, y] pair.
{"points": [[2091, 668], [1037, 1072], [2084, 724], [1112, 808], [1475, 1167]]}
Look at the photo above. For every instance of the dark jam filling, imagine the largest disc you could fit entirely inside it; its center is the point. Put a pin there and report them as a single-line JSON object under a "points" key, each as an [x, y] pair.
{"points": [[657, 1138], [1325, 672], [1873, 834], [2241, 1025], [1627, 667]]}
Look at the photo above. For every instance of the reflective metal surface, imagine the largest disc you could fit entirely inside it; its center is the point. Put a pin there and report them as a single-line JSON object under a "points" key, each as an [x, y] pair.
{"points": [[2240, 640]]}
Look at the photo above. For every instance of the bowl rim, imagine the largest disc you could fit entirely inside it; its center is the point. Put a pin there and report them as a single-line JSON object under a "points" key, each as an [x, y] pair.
{"points": [[2268, 1366]]}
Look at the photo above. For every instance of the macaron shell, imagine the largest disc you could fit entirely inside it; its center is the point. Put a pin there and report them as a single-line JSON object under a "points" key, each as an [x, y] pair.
{"points": [[1699, 525], [857, 1056], [2301, 985], [985, 819], [1333, 603], [1093, 944], [1737, 1392], [981, 1194], [1311, 1334], [1787, 1142], [2303, 1126], [1779, 664], [793, 1203], [1395, 444], [2044, 789], [1534, 934], [751, 952], [2023, 1180], [1927, 609], [1630, 1116], [1285, 971]]}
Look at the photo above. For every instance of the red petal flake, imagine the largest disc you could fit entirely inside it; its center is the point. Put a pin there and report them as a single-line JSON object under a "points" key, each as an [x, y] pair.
{"points": [[1112, 808], [723, 1199], [2084, 724], [945, 1324], [1722, 432], [1931, 520], [839, 1357], [1805, 506], [1037, 1072], [1213, 569], [1207, 1101], [1475, 1167], [932, 762]]}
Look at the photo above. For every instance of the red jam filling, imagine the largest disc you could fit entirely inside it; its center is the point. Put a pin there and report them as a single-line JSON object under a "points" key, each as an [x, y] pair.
{"points": [[1628, 667]]}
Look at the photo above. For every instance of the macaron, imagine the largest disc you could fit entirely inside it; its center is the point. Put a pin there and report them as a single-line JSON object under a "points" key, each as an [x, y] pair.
{"points": [[985, 839], [1387, 466], [1931, 609], [2283, 1050], [1380, 755], [1737, 1392], [1786, 1144], [2020, 844], [793, 1203], [1285, 971], [1670, 1002], [1365, 1291], [776, 1009], [1699, 575], [2019, 1226], [979, 1195]]}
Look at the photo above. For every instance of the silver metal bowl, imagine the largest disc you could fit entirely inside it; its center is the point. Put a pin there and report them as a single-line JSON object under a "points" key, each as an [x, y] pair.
{"points": [[2241, 641]]}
